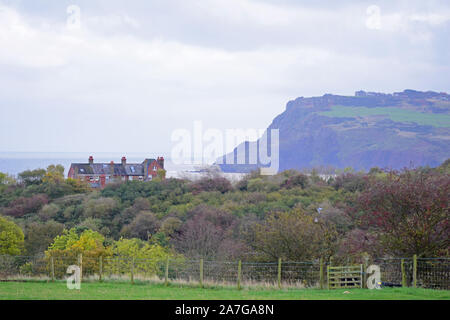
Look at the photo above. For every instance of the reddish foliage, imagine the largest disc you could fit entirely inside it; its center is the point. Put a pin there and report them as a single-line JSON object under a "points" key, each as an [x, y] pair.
{"points": [[208, 233], [23, 205], [409, 212], [351, 182], [295, 181], [211, 184]]}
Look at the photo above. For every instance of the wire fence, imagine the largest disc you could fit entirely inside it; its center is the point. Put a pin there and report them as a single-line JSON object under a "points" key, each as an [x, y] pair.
{"points": [[433, 273]]}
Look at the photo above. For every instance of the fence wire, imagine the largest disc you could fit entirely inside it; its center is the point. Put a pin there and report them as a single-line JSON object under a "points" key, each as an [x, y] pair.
{"points": [[433, 273], [305, 274], [391, 270]]}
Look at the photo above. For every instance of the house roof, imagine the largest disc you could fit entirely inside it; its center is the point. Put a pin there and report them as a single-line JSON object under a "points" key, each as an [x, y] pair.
{"points": [[129, 169]]}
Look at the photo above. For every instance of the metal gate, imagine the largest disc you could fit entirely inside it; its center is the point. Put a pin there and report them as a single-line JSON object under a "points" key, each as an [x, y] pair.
{"points": [[345, 277]]}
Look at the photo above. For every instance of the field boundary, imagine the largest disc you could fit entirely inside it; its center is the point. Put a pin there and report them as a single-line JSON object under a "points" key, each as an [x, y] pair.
{"points": [[431, 273]]}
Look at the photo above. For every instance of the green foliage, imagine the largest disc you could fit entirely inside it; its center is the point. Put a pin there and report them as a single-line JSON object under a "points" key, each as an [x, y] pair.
{"points": [[11, 237], [6, 179], [212, 218], [161, 174], [143, 226], [38, 236], [30, 177], [148, 257], [293, 236], [48, 211], [395, 114], [83, 242], [100, 208], [55, 173]]}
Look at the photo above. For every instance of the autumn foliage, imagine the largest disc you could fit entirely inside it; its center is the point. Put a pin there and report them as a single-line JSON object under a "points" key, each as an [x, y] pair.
{"points": [[408, 213]]}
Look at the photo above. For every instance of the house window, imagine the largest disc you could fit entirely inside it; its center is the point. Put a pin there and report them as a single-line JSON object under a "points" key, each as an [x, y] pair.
{"points": [[141, 178], [154, 168]]}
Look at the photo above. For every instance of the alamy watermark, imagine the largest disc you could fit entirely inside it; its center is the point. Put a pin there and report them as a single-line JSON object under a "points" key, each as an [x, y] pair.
{"points": [[74, 280], [74, 17], [253, 147], [373, 20]]}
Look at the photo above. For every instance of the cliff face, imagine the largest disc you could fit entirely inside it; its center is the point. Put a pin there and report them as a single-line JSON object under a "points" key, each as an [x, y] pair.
{"points": [[363, 131]]}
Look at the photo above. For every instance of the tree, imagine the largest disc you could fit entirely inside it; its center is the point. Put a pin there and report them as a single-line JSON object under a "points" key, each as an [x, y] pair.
{"points": [[351, 182], [38, 236], [11, 237], [78, 186], [55, 173], [148, 257], [300, 180], [170, 226], [30, 177], [6, 179], [256, 185], [205, 232], [100, 208], [161, 174], [24, 205], [143, 226], [48, 211], [67, 246], [293, 236], [220, 184], [409, 212], [70, 240]]}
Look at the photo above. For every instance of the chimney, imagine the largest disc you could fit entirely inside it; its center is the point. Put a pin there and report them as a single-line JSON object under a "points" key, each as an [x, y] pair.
{"points": [[160, 161], [91, 159], [112, 167], [124, 161]]}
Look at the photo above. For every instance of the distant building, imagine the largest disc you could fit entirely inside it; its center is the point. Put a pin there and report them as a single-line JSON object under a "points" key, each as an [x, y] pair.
{"points": [[100, 174]]}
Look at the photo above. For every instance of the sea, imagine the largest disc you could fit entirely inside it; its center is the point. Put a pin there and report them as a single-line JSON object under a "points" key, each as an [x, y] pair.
{"points": [[15, 162]]}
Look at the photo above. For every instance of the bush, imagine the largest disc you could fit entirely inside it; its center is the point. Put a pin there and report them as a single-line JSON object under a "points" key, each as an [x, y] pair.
{"points": [[11, 237]]}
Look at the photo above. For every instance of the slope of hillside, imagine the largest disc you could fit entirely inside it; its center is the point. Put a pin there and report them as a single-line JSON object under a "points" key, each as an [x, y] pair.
{"points": [[363, 131]]}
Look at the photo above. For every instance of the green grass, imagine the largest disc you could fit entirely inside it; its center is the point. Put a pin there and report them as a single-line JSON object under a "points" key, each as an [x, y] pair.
{"points": [[126, 291], [395, 114]]}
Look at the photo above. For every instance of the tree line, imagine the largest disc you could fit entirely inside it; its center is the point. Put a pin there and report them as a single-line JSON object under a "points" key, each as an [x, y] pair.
{"points": [[291, 215]]}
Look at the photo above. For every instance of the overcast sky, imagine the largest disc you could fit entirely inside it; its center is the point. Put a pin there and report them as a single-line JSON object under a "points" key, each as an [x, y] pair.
{"points": [[132, 72]]}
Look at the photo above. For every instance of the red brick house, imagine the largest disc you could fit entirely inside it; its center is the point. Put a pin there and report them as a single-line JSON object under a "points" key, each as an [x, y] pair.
{"points": [[100, 174]]}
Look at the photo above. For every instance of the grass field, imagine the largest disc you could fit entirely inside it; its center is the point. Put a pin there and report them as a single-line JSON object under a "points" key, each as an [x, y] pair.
{"points": [[395, 114], [126, 291]]}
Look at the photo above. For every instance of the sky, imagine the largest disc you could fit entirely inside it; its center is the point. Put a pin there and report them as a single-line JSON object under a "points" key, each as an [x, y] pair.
{"points": [[122, 76]]}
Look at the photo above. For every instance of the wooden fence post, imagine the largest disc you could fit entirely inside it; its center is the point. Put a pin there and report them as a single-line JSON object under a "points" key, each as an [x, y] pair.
{"points": [[100, 268], [328, 276], [201, 273], [364, 275], [166, 275], [80, 264], [52, 266], [132, 271], [239, 274], [321, 273], [415, 271], [403, 273], [279, 273]]}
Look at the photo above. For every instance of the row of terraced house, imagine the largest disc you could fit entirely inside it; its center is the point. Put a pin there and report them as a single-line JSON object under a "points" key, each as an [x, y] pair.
{"points": [[98, 175]]}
